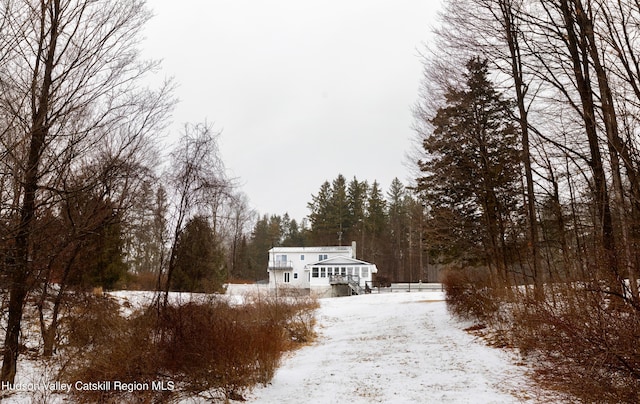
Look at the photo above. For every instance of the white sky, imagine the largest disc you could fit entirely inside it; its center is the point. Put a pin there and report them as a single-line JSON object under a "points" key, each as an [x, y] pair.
{"points": [[302, 90]]}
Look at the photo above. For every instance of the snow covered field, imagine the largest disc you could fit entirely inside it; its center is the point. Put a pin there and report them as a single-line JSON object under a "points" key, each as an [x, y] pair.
{"points": [[395, 348], [384, 348]]}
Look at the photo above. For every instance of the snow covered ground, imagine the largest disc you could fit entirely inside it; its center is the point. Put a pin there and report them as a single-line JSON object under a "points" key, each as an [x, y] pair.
{"points": [[384, 348], [396, 348]]}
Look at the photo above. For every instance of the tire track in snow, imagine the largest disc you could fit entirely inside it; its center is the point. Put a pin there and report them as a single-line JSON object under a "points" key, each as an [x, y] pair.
{"points": [[394, 348]]}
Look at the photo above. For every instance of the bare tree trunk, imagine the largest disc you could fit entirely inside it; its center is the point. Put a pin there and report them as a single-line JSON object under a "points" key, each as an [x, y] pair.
{"points": [[577, 46], [512, 32], [616, 146], [68, 76], [20, 273]]}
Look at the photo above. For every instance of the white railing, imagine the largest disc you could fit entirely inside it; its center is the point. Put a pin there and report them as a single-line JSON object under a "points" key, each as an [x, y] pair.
{"points": [[337, 278], [410, 287], [281, 264]]}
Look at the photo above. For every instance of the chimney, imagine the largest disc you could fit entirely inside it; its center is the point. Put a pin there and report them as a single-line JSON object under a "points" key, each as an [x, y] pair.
{"points": [[353, 248]]}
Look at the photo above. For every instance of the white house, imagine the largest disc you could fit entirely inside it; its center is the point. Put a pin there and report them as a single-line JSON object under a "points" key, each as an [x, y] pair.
{"points": [[332, 270]]}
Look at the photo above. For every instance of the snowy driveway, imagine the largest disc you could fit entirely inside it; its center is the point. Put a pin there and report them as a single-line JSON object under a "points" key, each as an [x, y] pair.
{"points": [[394, 348]]}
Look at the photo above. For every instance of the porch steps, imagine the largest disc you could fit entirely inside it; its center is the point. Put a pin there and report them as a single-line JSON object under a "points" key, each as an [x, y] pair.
{"points": [[355, 287], [353, 281]]}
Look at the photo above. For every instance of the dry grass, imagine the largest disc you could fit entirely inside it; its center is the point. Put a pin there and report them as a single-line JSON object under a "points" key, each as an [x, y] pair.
{"points": [[582, 344], [469, 295], [208, 349], [581, 340]]}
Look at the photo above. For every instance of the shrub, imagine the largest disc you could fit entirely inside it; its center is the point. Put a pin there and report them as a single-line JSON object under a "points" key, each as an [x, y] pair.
{"points": [[582, 344], [296, 315], [469, 295], [205, 348], [215, 346], [143, 281], [581, 339]]}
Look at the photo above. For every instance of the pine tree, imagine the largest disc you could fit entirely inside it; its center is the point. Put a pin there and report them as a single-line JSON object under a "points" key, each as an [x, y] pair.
{"points": [[398, 228], [375, 224], [200, 264], [321, 226], [357, 205], [259, 246], [339, 210], [472, 176], [331, 221]]}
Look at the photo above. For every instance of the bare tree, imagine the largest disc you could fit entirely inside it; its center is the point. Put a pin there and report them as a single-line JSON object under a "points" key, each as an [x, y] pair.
{"points": [[241, 217], [70, 81], [197, 181]]}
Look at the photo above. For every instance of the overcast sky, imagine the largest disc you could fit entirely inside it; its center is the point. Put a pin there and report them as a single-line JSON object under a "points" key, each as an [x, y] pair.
{"points": [[302, 90]]}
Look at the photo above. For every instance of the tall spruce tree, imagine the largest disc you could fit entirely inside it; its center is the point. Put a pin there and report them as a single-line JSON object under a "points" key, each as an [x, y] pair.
{"points": [[331, 220], [357, 204], [321, 226], [472, 176], [339, 213], [375, 225], [398, 228]]}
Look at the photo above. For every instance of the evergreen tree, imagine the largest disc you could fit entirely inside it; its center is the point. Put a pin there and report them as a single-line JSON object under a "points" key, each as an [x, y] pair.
{"points": [[472, 176], [357, 204], [268, 232], [294, 235], [375, 225], [88, 233], [330, 217], [259, 246], [200, 264], [398, 228], [322, 229], [339, 210]]}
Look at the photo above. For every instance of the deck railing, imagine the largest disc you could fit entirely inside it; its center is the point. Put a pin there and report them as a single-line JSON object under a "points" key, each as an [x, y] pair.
{"points": [[338, 279], [352, 280], [280, 264]]}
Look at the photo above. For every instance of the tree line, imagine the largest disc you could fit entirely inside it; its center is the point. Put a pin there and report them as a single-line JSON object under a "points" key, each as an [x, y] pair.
{"points": [[386, 226]]}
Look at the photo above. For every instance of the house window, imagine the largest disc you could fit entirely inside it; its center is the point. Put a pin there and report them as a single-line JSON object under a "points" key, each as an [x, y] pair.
{"points": [[343, 271], [286, 277], [301, 257], [323, 274], [350, 271], [322, 257], [281, 261], [314, 272], [365, 272], [295, 275]]}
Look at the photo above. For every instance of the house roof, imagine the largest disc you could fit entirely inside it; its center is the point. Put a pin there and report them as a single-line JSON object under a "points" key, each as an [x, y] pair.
{"points": [[347, 250]]}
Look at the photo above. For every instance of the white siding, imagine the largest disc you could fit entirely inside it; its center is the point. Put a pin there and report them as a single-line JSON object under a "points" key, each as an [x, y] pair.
{"points": [[295, 261]]}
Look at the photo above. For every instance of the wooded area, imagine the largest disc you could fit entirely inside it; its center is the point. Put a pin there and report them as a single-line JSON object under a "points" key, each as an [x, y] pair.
{"points": [[386, 226], [528, 121], [84, 200]]}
